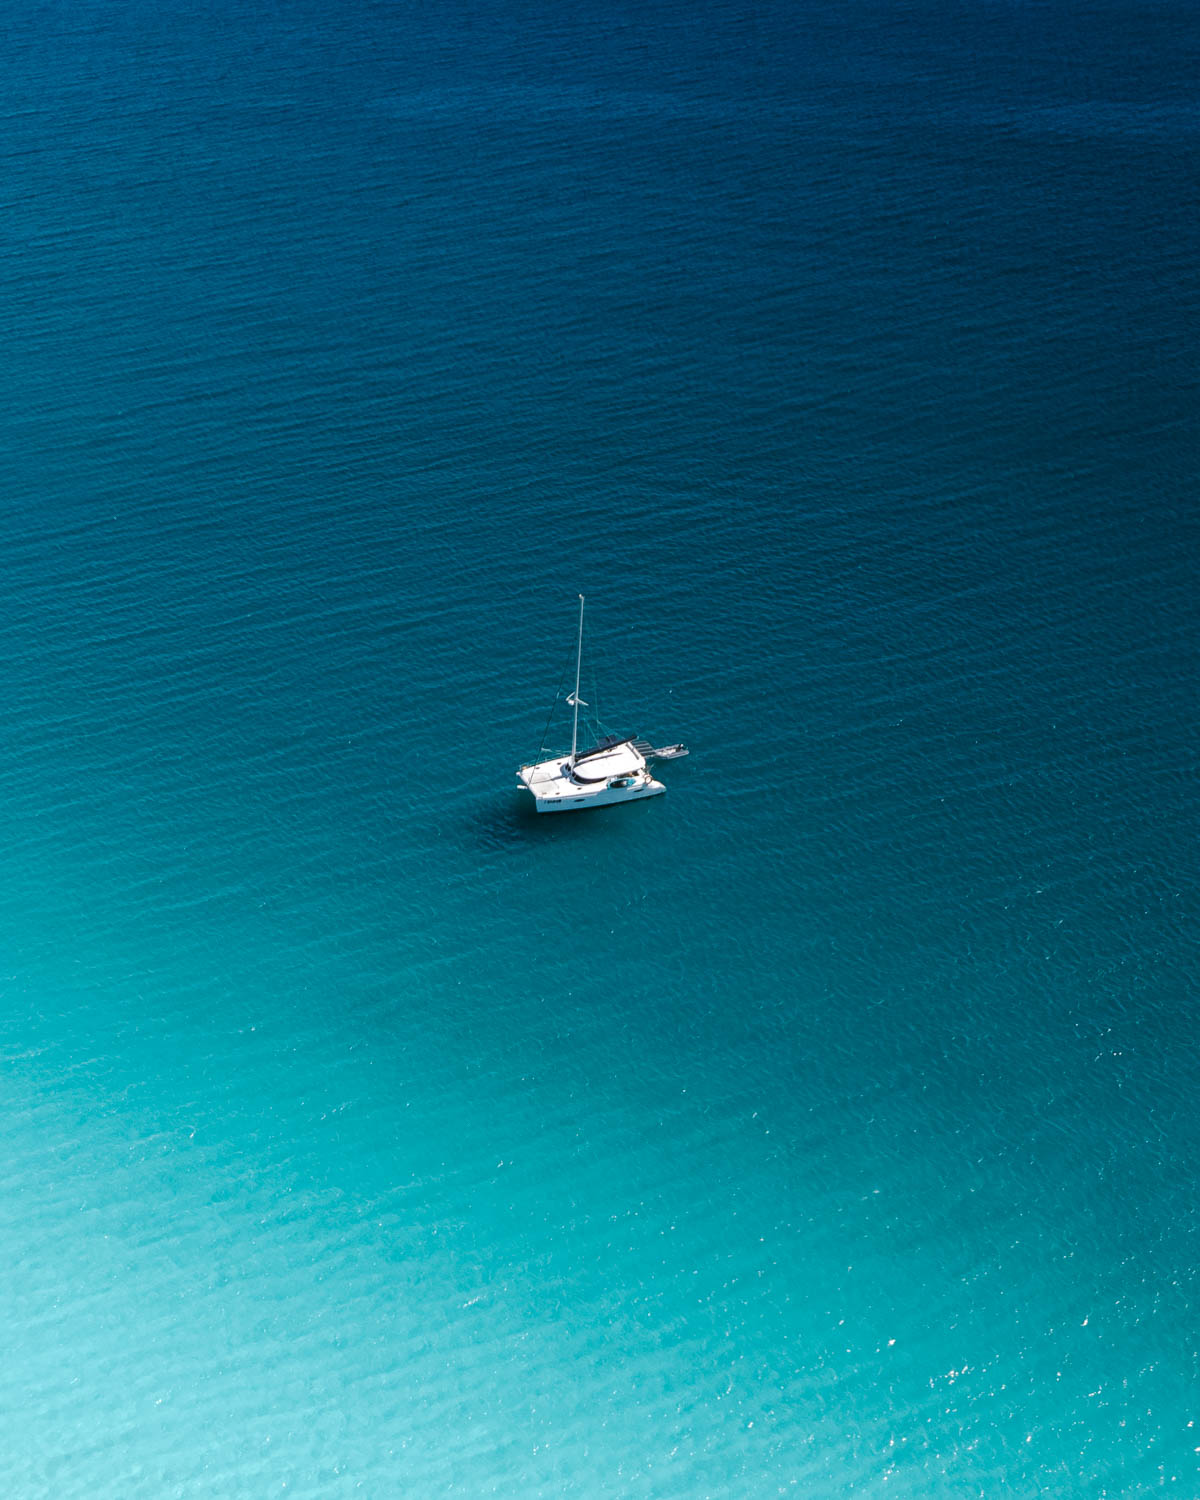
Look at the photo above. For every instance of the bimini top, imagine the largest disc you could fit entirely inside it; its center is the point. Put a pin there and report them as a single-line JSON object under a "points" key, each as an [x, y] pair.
{"points": [[612, 759]]}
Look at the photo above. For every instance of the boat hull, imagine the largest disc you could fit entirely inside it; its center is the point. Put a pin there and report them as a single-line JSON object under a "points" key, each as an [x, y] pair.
{"points": [[580, 801]]}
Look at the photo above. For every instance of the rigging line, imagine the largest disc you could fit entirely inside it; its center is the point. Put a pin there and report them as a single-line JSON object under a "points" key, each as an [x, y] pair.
{"points": [[554, 705], [601, 728]]}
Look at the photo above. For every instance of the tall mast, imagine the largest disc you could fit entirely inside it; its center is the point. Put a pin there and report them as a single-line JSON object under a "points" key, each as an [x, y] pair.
{"points": [[575, 694]]}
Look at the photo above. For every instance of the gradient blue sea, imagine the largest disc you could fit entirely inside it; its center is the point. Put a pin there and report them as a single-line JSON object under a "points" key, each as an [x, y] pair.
{"points": [[828, 1126]]}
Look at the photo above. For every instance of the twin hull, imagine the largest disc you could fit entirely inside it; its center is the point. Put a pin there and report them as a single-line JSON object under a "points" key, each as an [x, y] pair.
{"points": [[580, 800]]}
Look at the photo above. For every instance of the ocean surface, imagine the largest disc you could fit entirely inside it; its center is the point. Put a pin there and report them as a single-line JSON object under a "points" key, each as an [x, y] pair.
{"points": [[829, 1126]]}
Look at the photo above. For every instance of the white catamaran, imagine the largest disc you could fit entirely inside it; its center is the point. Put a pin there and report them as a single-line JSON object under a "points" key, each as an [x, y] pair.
{"points": [[616, 769]]}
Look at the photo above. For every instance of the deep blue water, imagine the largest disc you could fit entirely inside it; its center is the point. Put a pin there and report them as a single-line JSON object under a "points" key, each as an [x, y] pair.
{"points": [[828, 1126]]}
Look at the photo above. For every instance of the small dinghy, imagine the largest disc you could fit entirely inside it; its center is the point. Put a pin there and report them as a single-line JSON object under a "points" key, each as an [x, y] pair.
{"points": [[665, 752]]}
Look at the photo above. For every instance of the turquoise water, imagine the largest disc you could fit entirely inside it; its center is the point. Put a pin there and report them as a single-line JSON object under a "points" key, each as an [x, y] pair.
{"points": [[824, 1127]]}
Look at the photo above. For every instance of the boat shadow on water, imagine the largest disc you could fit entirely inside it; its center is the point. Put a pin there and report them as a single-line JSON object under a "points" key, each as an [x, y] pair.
{"points": [[502, 822]]}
